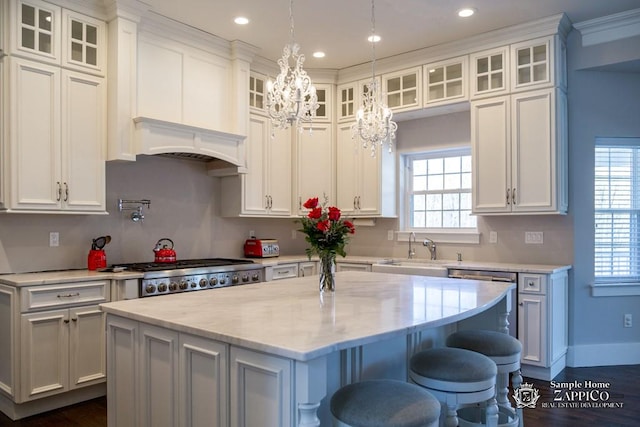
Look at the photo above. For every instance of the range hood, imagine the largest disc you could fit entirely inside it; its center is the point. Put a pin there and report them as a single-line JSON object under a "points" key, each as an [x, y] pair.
{"points": [[224, 151]]}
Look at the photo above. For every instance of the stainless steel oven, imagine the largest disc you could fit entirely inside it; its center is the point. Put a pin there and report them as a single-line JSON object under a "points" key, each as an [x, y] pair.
{"points": [[495, 276]]}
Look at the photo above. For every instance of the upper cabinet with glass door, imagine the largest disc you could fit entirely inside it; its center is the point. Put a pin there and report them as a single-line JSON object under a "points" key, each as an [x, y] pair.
{"points": [[538, 64], [257, 92], [45, 32], [324, 93], [446, 81], [402, 89], [489, 72]]}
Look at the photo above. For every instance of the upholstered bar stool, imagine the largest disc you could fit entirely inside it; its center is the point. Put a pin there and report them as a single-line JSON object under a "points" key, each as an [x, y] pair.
{"points": [[505, 351], [457, 377], [384, 403]]}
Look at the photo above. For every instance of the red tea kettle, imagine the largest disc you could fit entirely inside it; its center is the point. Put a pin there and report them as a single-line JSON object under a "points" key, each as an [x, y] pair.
{"points": [[97, 258], [164, 253]]}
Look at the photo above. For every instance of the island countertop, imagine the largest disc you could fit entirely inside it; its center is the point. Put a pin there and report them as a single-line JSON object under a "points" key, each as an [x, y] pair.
{"points": [[289, 318]]}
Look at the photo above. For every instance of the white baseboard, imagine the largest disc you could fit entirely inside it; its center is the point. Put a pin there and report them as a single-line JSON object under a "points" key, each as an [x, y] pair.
{"points": [[604, 354]]}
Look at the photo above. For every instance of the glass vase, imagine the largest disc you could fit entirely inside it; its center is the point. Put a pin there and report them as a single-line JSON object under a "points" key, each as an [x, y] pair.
{"points": [[327, 272]]}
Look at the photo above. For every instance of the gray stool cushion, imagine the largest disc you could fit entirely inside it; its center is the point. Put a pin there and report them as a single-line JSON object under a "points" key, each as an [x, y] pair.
{"points": [[489, 343], [384, 403], [453, 364]]}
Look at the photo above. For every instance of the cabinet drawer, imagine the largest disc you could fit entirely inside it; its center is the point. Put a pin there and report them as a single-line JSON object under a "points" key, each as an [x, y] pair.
{"points": [[285, 271], [64, 294], [532, 283]]}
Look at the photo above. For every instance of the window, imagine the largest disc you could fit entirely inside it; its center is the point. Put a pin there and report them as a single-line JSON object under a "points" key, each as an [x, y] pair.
{"points": [[439, 190], [617, 210]]}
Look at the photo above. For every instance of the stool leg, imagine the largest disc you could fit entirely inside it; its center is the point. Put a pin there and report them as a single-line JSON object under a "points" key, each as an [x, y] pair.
{"points": [[502, 386], [492, 413], [516, 382], [452, 416]]}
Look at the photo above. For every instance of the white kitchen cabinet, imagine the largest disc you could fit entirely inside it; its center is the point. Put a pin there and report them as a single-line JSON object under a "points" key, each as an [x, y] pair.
{"points": [[62, 350], [56, 140], [314, 166], [519, 150], [542, 323], [307, 268], [324, 113], [366, 184], [403, 89], [45, 32], [489, 72], [350, 98], [281, 271], [273, 376], [538, 64], [265, 189], [446, 82]]}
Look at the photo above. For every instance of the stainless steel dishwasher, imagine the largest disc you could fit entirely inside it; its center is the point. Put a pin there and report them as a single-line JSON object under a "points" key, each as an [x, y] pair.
{"points": [[494, 276]]}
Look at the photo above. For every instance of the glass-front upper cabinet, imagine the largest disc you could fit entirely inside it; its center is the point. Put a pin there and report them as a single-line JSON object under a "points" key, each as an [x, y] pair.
{"points": [[325, 102], [489, 72], [402, 89], [446, 81], [538, 63], [84, 41], [36, 29], [257, 92], [347, 101]]}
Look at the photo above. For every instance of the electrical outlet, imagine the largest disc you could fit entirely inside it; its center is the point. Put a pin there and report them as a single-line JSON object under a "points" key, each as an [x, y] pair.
{"points": [[252, 234], [493, 237], [294, 234], [54, 239], [534, 237], [390, 235], [628, 320]]}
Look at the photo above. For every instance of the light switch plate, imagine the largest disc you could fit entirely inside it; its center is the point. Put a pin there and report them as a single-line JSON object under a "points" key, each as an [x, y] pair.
{"points": [[493, 237]]}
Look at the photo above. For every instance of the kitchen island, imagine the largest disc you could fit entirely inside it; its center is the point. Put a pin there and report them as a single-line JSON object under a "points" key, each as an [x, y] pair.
{"points": [[271, 354]]}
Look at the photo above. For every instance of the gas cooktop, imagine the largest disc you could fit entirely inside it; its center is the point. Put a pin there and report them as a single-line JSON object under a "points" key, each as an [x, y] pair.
{"points": [[181, 264]]}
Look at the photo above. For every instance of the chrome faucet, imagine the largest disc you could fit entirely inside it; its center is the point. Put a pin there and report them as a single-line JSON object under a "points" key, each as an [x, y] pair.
{"points": [[431, 245], [412, 252]]}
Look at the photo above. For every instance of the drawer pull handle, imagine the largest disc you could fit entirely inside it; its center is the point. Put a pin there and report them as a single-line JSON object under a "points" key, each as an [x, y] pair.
{"points": [[66, 320], [77, 294]]}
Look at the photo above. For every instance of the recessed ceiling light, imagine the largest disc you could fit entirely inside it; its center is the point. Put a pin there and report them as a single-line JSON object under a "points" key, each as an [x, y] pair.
{"points": [[374, 38], [318, 54], [466, 12], [241, 20]]}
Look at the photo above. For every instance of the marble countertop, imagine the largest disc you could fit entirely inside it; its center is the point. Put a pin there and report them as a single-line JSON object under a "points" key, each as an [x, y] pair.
{"points": [[290, 319], [63, 276]]}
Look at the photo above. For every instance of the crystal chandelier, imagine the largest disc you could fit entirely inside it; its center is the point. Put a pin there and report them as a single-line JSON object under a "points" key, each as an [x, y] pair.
{"points": [[373, 121], [291, 99]]}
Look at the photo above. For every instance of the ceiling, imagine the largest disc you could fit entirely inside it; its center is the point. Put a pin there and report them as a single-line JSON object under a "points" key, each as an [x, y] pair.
{"points": [[340, 27]]}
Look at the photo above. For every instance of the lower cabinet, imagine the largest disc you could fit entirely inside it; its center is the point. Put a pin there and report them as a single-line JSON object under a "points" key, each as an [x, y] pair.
{"points": [[161, 377], [61, 350], [309, 268], [542, 323], [346, 266]]}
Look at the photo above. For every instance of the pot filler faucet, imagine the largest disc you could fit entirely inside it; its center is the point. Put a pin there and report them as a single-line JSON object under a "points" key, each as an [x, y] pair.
{"points": [[431, 245]]}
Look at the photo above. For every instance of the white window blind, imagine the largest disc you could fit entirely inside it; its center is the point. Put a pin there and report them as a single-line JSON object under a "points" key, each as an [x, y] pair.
{"points": [[439, 190], [617, 210]]}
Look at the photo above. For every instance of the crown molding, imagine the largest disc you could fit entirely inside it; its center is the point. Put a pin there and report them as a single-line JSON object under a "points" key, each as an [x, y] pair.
{"points": [[609, 28]]}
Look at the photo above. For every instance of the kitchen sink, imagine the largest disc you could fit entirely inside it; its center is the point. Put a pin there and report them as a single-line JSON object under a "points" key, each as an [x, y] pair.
{"points": [[415, 267]]}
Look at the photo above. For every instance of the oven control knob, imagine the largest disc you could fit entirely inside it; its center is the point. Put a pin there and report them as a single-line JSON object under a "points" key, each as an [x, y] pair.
{"points": [[245, 277], [203, 283], [255, 277], [184, 285], [173, 286], [223, 280], [235, 279], [162, 287], [213, 281], [192, 284], [150, 289]]}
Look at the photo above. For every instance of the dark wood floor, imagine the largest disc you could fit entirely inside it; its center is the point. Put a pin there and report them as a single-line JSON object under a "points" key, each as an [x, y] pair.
{"points": [[623, 399]]}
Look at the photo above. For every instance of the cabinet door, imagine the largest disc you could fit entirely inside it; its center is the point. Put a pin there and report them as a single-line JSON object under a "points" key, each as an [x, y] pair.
{"points": [[203, 382], [87, 352], [534, 64], [534, 170], [347, 99], [315, 165], [347, 162], [324, 113], [489, 72], [35, 135], [44, 364], [345, 266], [306, 269], [446, 81], [123, 405], [159, 377], [36, 30], [84, 42], [255, 186], [278, 152], [491, 154], [532, 328], [83, 142], [261, 389], [402, 89]]}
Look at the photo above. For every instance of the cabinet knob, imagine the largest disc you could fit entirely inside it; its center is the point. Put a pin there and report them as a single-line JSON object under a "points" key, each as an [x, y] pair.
{"points": [[66, 320], [521, 304], [75, 319], [531, 284]]}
